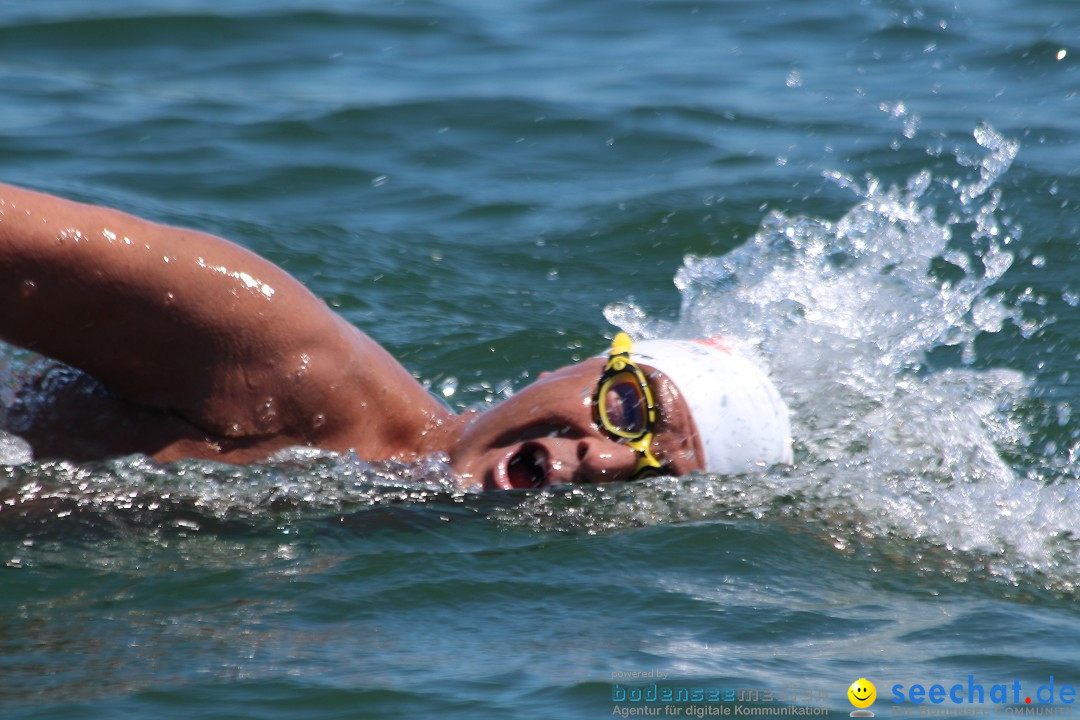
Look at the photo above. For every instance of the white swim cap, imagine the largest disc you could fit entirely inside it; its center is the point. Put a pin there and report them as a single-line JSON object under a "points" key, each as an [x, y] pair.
{"points": [[741, 419]]}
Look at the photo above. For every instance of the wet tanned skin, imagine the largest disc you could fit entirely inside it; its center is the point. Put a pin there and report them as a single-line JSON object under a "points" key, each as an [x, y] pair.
{"points": [[206, 350]]}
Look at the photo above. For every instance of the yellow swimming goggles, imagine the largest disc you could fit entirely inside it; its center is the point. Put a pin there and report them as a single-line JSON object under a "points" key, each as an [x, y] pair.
{"points": [[624, 406]]}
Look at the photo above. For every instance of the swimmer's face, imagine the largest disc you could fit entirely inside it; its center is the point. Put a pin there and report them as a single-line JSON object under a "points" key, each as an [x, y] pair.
{"points": [[545, 435]]}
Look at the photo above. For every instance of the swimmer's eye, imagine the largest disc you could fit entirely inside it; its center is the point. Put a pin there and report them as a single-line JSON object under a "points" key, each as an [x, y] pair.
{"points": [[623, 407]]}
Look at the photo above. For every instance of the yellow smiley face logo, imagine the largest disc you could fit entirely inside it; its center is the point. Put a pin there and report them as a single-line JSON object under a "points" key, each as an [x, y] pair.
{"points": [[862, 693]]}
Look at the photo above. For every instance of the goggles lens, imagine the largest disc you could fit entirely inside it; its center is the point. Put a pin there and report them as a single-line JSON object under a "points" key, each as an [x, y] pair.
{"points": [[623, 407]]}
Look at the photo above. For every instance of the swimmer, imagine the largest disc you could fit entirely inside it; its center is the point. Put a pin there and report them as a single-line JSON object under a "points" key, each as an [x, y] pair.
{"points": [[202, 349]]}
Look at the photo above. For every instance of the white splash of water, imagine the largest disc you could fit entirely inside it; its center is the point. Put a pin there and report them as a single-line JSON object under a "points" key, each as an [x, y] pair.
{"points": [[14, 450], [843, 314]]}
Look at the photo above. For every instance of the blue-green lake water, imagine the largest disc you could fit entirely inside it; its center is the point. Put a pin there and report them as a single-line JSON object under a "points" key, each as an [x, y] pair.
{"points": [[878, 198]]}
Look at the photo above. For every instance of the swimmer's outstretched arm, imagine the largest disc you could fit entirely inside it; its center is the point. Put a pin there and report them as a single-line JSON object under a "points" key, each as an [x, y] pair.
{"points": [[188, 322]]}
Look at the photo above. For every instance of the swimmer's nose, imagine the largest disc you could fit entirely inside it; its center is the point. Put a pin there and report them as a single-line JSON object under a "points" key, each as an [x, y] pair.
{"points": [[601, 461]]}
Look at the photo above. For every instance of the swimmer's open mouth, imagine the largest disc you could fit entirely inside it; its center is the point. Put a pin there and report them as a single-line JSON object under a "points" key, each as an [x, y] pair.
{"points": [[528, 467]]}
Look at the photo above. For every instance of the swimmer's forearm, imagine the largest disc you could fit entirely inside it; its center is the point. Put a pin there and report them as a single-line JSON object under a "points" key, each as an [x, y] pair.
{"points": [[187, 322], [82, 265], [155, 311]]}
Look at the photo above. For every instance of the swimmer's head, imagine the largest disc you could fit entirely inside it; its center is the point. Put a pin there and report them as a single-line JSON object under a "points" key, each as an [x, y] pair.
{"points": [[713, 411]]}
